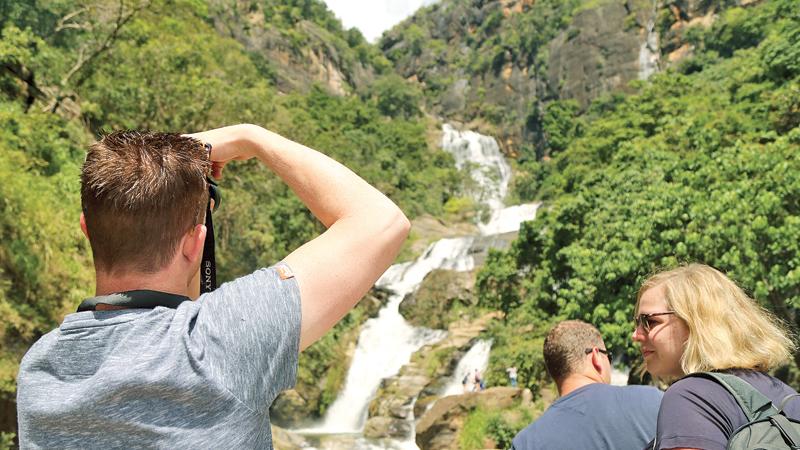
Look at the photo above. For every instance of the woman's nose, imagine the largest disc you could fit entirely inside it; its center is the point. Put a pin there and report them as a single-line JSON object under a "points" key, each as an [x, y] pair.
{"points": [[638, 335]]}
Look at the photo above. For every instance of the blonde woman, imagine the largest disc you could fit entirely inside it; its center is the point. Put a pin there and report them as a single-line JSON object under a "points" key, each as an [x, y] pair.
{"points": [[695, 319]]}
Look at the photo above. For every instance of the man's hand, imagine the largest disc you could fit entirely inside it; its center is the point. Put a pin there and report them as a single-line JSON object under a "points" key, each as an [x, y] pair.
{"points": [[227, 144]]}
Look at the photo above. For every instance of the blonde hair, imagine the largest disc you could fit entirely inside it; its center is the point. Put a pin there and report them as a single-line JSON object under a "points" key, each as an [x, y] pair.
{"points": [[727, 328]]}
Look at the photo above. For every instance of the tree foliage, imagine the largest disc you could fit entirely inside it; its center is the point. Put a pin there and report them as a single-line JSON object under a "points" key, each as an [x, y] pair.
{"points": [[696, 166], [71, 70]]}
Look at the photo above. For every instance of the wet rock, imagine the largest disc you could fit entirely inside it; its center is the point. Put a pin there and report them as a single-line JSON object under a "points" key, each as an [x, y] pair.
{"points": [[286, 440], [289, 409], [387, 427]]}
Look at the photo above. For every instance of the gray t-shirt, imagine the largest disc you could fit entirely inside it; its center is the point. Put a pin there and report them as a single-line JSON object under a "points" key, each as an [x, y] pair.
{"points": [[701, 413], [202, 375], [595, 416]]}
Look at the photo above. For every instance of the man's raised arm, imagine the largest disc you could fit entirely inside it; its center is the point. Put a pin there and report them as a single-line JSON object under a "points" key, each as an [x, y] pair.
{"points": [[365, 228]]}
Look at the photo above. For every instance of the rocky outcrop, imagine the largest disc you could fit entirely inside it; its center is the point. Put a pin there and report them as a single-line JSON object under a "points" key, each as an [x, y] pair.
{"points": [[297, 58], [438, 428], [475, 69], [402, 397], [430, 304], [286, 440], [597, 53]]}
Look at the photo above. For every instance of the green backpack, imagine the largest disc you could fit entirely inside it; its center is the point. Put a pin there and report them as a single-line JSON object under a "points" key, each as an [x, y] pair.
{"points": [[766, 428]]}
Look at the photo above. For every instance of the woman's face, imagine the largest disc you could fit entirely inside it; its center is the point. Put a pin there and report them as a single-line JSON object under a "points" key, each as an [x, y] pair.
{"points": [[662, 346]]}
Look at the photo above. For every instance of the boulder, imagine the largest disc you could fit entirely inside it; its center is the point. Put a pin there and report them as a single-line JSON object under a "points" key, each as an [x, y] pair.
{"points": [[387, 427], [289, 409], [429, 305], [286, 440], [439, 427]]}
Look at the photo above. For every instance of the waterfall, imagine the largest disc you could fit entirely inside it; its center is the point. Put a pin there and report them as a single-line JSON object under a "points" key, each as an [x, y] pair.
{"points": [[477, 357], [649, 53], [387, 341]]}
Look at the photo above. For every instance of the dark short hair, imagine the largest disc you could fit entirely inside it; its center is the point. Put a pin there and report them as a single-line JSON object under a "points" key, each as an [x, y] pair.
{"points": [[140, 193], [565, 347]]}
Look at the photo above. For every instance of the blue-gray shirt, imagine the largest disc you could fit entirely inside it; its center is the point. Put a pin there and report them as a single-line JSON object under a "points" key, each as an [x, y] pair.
{"points": [[595, 416], [202, 375]]}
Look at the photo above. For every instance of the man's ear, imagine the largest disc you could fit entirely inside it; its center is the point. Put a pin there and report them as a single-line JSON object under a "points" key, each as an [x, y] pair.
{"points": [[193, 242], [83, 226], [597, 362]]}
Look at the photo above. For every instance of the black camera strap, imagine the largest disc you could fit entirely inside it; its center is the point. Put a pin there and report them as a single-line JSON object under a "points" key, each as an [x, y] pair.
{"points": [[141, 299], [208, 265]]}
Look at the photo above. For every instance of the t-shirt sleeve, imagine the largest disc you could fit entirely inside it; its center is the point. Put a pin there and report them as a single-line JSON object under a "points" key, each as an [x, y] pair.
{"points": [[696, 413], [247, 334]]}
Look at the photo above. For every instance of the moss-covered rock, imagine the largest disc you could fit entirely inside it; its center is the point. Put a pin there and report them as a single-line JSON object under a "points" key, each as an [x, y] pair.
{"points": [[440, 292]]}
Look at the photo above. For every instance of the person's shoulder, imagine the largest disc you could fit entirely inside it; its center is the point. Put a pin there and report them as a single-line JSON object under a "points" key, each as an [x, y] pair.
{"points": [[38, 350], [693, 384], [273, 280], [643, 390], [531, 436]]}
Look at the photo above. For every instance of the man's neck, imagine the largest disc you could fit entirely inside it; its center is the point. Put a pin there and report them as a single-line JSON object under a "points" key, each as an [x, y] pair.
{"points": [[159, 281], [574, 382]]}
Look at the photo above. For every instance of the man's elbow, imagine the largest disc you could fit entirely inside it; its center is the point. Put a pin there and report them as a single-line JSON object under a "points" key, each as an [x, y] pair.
{"points": [[400, 225]]}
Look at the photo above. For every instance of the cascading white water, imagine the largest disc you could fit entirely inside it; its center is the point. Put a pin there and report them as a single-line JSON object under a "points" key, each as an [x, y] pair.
{"points": [[649, 54], [491, 173], [477, 357], [387, 341]]}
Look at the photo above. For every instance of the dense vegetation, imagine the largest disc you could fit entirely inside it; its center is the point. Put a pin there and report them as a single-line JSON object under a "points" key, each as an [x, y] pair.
{"points": [[69, 70], [701, 164], [476, 41]]}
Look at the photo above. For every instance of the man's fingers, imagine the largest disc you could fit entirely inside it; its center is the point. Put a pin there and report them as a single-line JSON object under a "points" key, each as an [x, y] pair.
{"points": [[216, 169]]}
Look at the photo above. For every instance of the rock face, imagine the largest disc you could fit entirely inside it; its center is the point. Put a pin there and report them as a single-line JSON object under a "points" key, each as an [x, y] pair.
{"points": [[598, 53], [296, 59], [476, 71], [439, 427]]}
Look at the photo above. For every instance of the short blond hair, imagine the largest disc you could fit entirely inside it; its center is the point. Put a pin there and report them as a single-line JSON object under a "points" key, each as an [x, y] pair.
{"points": [[727, 328]]}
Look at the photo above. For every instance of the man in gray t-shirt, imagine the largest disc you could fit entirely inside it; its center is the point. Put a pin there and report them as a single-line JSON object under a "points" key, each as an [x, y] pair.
{"points": [[590, 413], [149, 364]]}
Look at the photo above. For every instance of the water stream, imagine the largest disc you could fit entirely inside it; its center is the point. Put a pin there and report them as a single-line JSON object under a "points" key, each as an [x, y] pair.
{"points": [[387, 342]]}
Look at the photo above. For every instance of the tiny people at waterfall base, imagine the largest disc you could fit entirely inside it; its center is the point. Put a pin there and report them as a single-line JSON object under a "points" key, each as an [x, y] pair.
{"points": [[512, 375], [687, 322], [477, 380], [589, 413], [151, 362], [465, 382]]}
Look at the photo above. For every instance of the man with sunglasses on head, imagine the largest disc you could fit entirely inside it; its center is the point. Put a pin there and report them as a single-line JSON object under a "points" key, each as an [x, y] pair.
{"points": [[147, 363], [589, 413]]}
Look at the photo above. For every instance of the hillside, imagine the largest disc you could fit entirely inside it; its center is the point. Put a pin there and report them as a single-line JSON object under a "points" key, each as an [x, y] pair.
{"points": [[69, 70], [653, 133], [498, 64]]}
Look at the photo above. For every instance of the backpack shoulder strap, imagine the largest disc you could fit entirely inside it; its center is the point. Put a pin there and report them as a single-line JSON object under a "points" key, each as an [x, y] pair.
{"points": [[787, 429], [786, 400], [754, 404]]}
